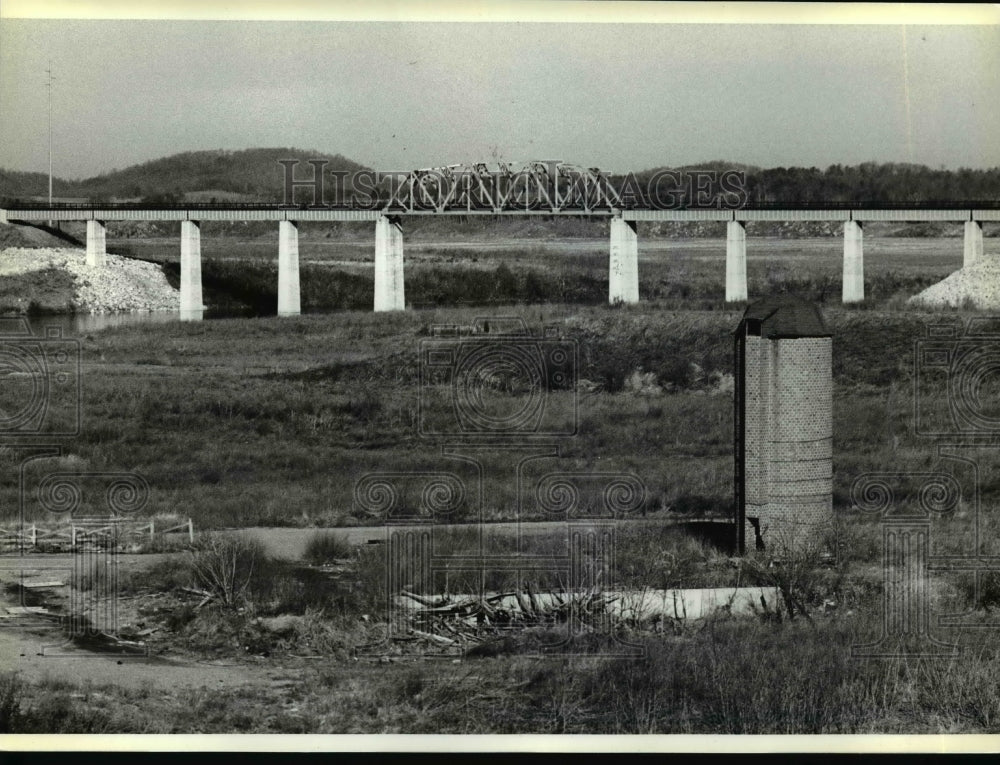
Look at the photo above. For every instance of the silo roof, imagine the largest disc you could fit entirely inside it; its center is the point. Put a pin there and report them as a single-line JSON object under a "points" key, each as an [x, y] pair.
{"points": [[784, 316]]}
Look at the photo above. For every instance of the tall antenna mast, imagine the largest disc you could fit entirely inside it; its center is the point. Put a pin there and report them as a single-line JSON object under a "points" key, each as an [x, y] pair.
{"points": [[48, 88]]}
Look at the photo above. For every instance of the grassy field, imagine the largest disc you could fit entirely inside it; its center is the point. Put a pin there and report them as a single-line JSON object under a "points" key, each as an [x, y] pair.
{"points": [[247, 422], [267, 422]]}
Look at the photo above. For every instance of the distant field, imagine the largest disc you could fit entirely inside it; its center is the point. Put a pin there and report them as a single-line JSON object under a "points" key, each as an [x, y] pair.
{"points": [[240, 276], [880, 252]]}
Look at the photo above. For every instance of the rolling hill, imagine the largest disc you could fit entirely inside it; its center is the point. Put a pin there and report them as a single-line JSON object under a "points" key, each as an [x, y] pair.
{"points": [[247, 175]]}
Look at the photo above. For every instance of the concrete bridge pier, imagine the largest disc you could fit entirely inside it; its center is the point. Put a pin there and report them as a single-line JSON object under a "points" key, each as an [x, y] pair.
{"points": [[736, 261], [854, 263], [96, 244], [973, 243], [192, 308], [623, 268], [289, 301], [389, 295]]}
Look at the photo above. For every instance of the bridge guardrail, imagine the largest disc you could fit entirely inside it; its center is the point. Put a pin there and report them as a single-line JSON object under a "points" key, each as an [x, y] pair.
{"points": [[966, 204]]}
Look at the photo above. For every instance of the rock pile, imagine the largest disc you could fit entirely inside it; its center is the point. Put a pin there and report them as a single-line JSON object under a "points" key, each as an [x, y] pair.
{"points": [[122, 284], [975, 286]]}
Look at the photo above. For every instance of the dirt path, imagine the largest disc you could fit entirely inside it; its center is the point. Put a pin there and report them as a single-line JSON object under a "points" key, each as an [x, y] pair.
{"points": [[35, 645], [33, 649]]}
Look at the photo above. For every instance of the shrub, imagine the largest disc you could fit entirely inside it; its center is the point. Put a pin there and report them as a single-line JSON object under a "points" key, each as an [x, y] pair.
{"points": [[662, 558], [162, 576], [226, 565], [326, 546], [675, 372], [798, 576], [180, 617]]}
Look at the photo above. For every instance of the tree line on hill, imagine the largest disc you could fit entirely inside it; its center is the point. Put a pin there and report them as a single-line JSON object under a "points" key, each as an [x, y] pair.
{"points": [[867, 183], [254, 175]]}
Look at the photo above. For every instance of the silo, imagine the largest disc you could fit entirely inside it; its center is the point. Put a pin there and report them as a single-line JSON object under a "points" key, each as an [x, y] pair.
{"points": [[784, 427]]}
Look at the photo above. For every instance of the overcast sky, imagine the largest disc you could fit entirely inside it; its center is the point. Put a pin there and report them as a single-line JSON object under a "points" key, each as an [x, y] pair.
{"points": [[401, 96]]}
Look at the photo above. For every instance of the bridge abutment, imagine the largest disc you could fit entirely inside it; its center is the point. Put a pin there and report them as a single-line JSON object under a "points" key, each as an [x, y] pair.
{"points": [[854, 263], [736, 261], [389, 293], [623, 268], [96, 244], [973, 244], [192, 308], [289, 296]]}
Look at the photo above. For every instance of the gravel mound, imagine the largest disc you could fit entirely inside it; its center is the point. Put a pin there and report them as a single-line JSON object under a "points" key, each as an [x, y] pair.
{"points": [[122, 284], [976, 286]]}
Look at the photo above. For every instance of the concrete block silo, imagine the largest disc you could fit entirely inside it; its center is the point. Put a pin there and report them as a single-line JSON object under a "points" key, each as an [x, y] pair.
{"points": [[784, 427]]}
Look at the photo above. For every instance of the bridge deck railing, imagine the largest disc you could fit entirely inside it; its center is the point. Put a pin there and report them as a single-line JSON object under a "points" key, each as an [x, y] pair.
{"points": [[965, 204]]}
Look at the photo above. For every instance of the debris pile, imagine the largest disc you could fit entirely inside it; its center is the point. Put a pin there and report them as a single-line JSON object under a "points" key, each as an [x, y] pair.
{"points": [[465, 622], [446, 624]]}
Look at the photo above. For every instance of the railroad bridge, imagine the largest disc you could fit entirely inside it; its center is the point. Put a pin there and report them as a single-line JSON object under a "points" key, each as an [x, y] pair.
{"points": [[472, 190]]}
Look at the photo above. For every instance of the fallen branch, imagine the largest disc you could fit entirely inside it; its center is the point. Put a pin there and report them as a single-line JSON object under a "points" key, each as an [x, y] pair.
{"points": [[443, 601], [193, 591], [439, 639]]}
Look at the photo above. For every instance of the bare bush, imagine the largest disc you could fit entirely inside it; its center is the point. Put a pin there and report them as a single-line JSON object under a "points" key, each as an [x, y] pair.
{"points": [[225, 566], [797, 575]]}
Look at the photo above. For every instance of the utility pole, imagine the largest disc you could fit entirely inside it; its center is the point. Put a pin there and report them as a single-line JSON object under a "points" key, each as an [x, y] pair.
{"points": [[48, 88]]}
